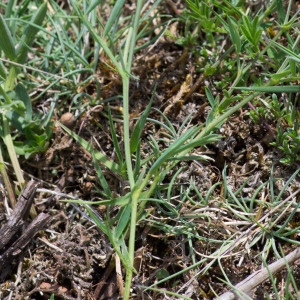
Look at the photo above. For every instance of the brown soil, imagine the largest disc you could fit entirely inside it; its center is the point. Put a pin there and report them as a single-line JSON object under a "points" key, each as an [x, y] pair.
{"points": [[72, 259]]}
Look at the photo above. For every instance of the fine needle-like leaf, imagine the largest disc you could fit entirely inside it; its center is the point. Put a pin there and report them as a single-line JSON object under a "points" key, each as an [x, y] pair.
{"points": [[6, 42]]}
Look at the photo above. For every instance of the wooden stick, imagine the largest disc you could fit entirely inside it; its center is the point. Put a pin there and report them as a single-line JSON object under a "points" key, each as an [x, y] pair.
{"points": [[247, 285]]}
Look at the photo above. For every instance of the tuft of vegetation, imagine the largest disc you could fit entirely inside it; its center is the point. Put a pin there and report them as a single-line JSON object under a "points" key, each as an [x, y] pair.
{"points": [[173, 165]]}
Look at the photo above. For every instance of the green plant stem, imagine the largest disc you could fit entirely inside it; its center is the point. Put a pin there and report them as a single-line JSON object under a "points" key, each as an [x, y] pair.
{"points": [[222, 118], [10, 80], [127, 130], [10, 192], [14, 159], [136, 194], [128, 56], [11, 151]]}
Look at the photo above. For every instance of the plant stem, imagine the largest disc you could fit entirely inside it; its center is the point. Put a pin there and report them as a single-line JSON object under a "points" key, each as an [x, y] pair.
{"points": [[136, 192], [221, 119], [10, 192], [14, 159], [11, 151]]}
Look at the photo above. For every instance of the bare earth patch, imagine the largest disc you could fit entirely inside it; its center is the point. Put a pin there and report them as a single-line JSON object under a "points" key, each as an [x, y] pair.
{"points": [[71, 258]]}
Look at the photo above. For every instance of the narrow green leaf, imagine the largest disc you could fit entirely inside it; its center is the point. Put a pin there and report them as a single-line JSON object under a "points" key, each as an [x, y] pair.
{"points": [[210, 97], [214, 105], [10, 79], [155, 146], [114, 138], [272, 89], [98, 222], [211, 115], [98, 39], [279, 76], [92, 6], [139, 127], [192, 157], [6, 42], [124, 200], [137, 165], [235, 36], [114, 16], [228, 8], [124, 220], [257, 37], [30, 32], [174, 148], [287, 51], [3, 73], [24, 97], [255, 23], [100, 175], [10, 8], [98, 155], [280, 10], [200, 141]]}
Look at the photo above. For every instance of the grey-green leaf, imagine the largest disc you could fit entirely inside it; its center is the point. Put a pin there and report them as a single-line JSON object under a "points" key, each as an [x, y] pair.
{"points": [[30, 32], [272, 89], [6, 42]]}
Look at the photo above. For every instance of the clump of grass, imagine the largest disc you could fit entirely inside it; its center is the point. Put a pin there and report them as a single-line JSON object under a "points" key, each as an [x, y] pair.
{"points": [[250, 45], [16, 107], [145, 176]]}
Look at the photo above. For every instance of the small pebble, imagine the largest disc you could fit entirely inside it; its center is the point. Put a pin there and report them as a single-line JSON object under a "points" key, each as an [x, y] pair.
{"points": [[68, 120]]}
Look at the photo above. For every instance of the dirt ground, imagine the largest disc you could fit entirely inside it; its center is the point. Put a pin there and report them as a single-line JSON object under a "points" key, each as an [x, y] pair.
{"points": [[72, 259]]}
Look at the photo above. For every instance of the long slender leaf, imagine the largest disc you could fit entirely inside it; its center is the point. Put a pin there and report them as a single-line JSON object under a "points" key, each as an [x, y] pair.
{"points": [[98, 155], [93, 5], [292, 54], [101, 177], [124, 219], [98, 39], [114, 16], [114, 138], [200, 142], [30, 32], [234, 34], [173, 149], [272, 89], [6, 42], [24, 97], [100, 224], [139, 127]]}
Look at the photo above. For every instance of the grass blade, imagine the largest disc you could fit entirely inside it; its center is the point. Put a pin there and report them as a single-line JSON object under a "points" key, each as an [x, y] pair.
{"points": [[292, 54], [98, 155], [173, 149], [30, 33], [272, 89], [114, 16], [115, 140], [6, 42], [139, 127]]}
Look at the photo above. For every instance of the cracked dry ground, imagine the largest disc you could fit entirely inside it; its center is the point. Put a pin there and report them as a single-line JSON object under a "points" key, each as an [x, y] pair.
{"points": [[72, 259]]}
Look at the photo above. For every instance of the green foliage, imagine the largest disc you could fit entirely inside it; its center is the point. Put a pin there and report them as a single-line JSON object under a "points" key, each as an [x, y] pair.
{"points": [[251, 31], [29, 33], [145, 176], [6, 42], [33, 131], [289, 142], [235, 56]]}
